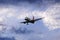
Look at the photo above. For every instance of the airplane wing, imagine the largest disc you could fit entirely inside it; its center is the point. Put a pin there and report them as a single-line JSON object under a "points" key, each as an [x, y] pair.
{"points": [[23, 22], [38, 19]]}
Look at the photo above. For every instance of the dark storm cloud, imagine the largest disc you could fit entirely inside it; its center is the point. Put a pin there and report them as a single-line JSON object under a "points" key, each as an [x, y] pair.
{"points": [[29, 1], [5, 38], [57, 0], [23, 30], [17, 1]]}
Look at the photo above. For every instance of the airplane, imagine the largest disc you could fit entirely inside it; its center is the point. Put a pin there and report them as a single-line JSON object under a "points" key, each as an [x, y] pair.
{"points": [[28, 20]]}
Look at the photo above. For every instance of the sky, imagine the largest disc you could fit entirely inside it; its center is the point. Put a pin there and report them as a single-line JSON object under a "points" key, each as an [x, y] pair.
{"points": [[12, 12]]}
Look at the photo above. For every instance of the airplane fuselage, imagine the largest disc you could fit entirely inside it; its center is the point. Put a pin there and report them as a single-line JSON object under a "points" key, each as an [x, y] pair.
{"points": [[32, 21], [29, 21]]}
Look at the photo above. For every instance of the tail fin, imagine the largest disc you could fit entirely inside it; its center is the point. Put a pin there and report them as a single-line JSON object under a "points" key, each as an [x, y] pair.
{"points": [[33, 17]]}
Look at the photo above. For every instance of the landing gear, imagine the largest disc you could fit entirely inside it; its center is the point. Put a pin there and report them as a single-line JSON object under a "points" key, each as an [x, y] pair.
{"points": [[27, 24]]}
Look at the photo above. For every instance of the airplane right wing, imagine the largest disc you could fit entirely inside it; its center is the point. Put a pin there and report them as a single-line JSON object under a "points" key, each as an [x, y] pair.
{"points": [[38, 19]]}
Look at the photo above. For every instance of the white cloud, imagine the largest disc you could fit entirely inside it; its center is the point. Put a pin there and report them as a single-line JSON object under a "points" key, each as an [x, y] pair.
{"points": [[1, 19], [50, 17]]}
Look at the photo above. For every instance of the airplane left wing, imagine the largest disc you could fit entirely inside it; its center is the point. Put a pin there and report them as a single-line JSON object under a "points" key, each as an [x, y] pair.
{"points": [[23, 22]]}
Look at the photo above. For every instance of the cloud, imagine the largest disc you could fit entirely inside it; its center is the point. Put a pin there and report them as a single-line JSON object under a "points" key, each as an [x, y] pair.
{"points": [[23, 30], [1, 38], [14, 2], [51, 15], [13, 14]]}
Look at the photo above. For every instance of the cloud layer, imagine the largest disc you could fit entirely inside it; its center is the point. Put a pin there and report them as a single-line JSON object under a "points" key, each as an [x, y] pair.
{"points": [[12, 15]]}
